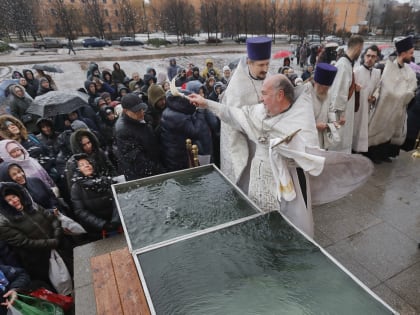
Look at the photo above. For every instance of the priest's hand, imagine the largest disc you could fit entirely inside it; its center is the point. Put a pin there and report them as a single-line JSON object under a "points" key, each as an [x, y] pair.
{"points": [[197, 100], [321, 126]]}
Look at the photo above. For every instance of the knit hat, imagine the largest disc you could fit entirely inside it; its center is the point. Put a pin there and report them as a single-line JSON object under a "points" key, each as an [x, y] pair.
{"points": [[404, 44], [155, 94], [325, 74], [258, 48], [225, 68]]}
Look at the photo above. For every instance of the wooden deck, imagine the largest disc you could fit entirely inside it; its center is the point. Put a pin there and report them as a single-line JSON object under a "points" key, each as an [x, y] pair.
{"points": [[117, 285]]}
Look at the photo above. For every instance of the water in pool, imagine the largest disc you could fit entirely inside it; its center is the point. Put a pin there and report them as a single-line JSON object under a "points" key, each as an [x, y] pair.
{"points": [[161, 209], [261, 266]]}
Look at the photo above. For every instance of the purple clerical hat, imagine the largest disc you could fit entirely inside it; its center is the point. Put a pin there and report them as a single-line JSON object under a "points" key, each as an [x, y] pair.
{"points": [[258, 48], [325, 74]]}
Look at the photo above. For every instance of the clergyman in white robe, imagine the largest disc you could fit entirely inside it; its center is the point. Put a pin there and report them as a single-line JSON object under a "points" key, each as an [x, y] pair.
{"points": [[368, 79]]}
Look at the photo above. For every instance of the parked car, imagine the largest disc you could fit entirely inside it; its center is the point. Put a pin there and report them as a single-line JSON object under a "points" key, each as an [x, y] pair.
{"points": [[49, 42], [95, 42], [313, 38], [335, 39], [213, 40], [188, 40], [294, 38], [130, 41], [241, 39]]}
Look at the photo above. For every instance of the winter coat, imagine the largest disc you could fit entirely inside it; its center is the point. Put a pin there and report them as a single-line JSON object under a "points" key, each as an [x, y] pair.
{"points": [[103, 165], [43, 90], [118, 75], [33, 232], [33, 83], [181, 121], [172, 69], [19, 106], [138, 148], [93, 202]]}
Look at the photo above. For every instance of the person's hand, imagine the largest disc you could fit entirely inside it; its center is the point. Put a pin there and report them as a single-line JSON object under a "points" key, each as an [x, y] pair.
{"points": [[371, 99], [358, 87], [10, 297], [321, 126], [197, 100], [342, 120]]}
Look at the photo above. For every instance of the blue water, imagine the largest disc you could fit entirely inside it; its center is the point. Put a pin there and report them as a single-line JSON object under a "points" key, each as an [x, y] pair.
{"points": [[179, 204], [262, 266]]}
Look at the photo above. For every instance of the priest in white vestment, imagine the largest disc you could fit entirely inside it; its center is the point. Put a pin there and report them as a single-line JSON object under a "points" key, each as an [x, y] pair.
{"points": [[343, 96], [318, 88], [244, 89], [388, 124], [367, 78], [276, 118]]}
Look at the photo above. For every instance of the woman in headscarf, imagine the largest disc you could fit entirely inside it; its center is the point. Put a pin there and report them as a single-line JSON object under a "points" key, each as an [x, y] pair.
{"points": [[19, 103], [44, 87], [32, 230], [11, 128], [92, 199], [14, 152]]}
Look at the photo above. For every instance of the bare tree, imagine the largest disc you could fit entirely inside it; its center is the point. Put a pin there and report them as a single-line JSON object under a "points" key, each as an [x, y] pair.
{"points": [[94, 14], [180, 17], [129, 16], [67, 18]]}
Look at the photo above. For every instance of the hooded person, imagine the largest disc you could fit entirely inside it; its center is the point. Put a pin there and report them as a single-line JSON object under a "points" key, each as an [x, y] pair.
{"points": [[244, 89], [16, 75], [44, 87], [33, 83], [181, 121], [210, 70], [38, 190], [84, 141], [172, 69], [92, 67], [118, 75], [19, 103], [156, 105], [226, 75], [12, 128], [149, 79], [217, 91], [181, 78], [32, 230], [92, 198], [13, 152], [196, 75]]}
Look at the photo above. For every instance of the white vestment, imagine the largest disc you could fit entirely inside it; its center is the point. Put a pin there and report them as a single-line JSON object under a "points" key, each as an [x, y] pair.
{"points": [[389, 119], [369, 80], [254, 122], [340, 102], [242, 90]]}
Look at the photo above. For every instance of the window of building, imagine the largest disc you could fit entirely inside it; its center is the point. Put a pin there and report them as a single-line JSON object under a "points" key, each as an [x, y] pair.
{"points": [[106, 12], [119, 27], [104, 1], [116, 12], [110, 27]]}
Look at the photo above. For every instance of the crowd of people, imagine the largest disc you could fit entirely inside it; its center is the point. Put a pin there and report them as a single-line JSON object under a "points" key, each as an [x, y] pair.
{"points": [[137, 127]]}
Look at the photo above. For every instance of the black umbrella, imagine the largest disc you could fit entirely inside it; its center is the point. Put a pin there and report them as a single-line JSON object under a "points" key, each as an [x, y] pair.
{"points": [[57, 102], [48, 68]]}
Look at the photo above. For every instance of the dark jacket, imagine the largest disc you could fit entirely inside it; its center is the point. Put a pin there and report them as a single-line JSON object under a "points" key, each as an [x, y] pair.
{"points": [[118, 75], [93, 202], [18, 107], [181, 121], [138, 148], [33, 232], [103, 165], [33, 84]]}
